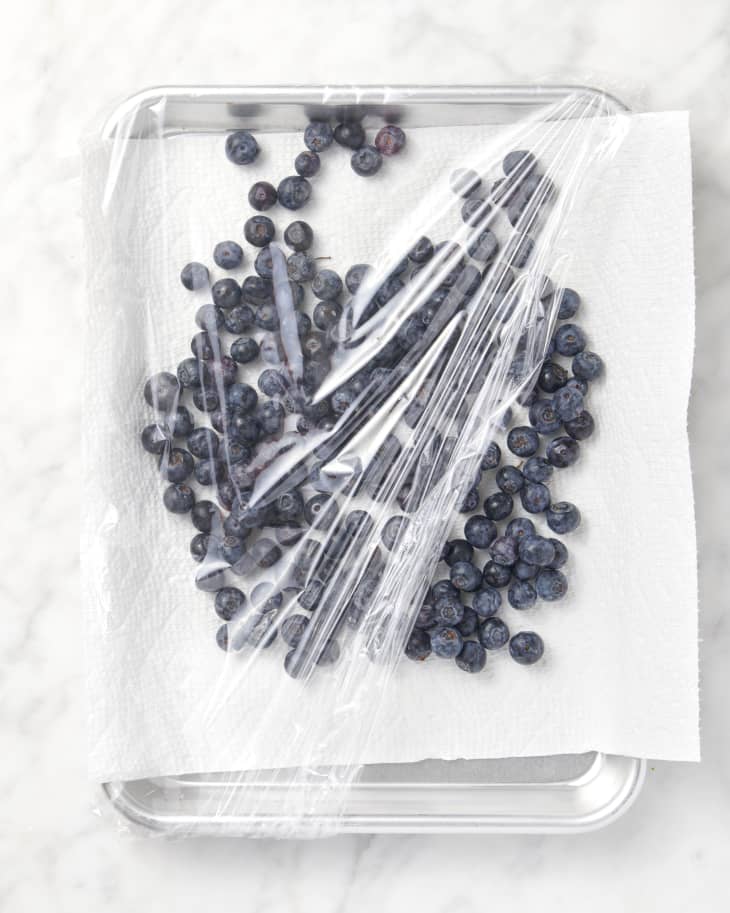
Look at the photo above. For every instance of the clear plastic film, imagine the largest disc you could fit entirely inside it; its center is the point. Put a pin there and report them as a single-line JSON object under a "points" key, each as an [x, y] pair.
{"points": [[333, 454]]}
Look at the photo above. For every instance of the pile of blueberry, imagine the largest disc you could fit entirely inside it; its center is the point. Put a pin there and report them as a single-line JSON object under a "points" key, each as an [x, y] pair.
{"points": [[240, 430]]}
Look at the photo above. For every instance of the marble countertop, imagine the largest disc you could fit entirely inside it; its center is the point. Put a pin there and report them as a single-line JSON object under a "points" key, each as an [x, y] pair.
{"points": [[62, 64]]}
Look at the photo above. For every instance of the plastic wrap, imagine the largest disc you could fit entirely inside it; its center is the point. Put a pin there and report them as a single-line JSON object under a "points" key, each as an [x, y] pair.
{"points": [[345, 447]]}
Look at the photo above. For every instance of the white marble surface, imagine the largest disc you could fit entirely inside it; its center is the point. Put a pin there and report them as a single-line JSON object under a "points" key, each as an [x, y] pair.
{"points": [[61, 63]]}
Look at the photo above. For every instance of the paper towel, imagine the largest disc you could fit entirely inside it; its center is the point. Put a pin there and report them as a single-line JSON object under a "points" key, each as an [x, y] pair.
{"points": [[620, 669]]}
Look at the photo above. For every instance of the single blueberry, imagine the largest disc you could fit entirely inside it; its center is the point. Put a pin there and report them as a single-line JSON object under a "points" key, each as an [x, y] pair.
{"points": [[306, 165], [156, 438], [222, 638], [244, 350], [191, 373], [551, 584], [422, 251], [441, 587], [259, 231], [520, 527], [262, 196], [563, 517], [446, 642], [581, 427], [266, 317], [518, 161], [327, 285], [480, 531], [487, 601], [301, 267], [510, 479], [466, 576], [425, 617], [257, 290], [561, 554], [326, 314], [552, 377], [568, 403], [537, 550], [289, 506], [242, 397], [569, 340], [162, 391], [288, 535], [521, 594], [472, 657], [350, 134], [366, 161], [354, 277], [239, 319], [270, 418], [229, 602], [298, 236], [200, 545], [456, 550], [474, 211], [178, 498], [535, 497], [294, 192], [526, 648], [448, 611], [204, 345], [482, 246], [544, 417], [464, 182], [520, 250], [390, 139], [493, 634], [194, 276], [318, 135], [232, 549], [568, 304], [209, 317], [393, 531], [203, 443], [521, 570], [587, 365], [492, 457], [498, 506], [241, 147], [205, 516], [205, 400], [293, 628], [537, 469], [469, 622], [176, 464], [523, 441], [228, 254], [320, 511], [563, 451], [226, 293], [504, 550], [264, 264]]}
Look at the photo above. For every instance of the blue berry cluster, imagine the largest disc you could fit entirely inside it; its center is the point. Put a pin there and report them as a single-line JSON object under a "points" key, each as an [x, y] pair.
{"points": [[235, 429]]}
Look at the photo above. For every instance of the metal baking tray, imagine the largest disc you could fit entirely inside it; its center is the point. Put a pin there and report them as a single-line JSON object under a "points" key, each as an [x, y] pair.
{"points": [[565, 793]]}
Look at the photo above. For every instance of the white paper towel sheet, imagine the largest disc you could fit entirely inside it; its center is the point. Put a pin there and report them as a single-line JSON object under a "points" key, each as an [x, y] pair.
{"points": [[620, 669]]}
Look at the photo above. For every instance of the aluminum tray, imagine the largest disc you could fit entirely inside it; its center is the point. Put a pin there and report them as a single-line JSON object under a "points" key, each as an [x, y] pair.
{"points": [[565, 793]]}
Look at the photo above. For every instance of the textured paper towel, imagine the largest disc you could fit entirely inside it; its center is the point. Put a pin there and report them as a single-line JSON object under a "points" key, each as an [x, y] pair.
{"points": [[620, 670]]}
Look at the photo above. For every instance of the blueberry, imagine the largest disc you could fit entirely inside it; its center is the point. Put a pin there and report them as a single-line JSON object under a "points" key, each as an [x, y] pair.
{"points": [[466, 576], [521, 570], [227, 493], [390, 139], [581, 427], [209, 472], [475, 211], [272, 382], [523, 441], [446, 642], [161, 391], [318, 135], [262, 196], [270, 418], [204, 345], [442, 587], [178, 498], [272, 350], [418, 645], [239, 319], [422, 251], [232, 549], [306, 165], [176, 465], [366, 161], [329, 653], [456, 550], [569, 340], [191, 372], [235, 452], [482, 246], [393, 531], [327, 285], [342, 400], [241, 147], [521, 594], [221, 637], [520, 527], [464, 182], [244, 350], [242, 397], [258, 630], [498, 506], [259, 231], [535, 497], [526, 648], [350, 134], [267, 317], [568, 403], [200, 545], [209, 317], [544, 417], [563, 517], [492, 457], [504, 550], [587, 365], [480, 531], [298, 236], [537, 469], [469, 623], [561, 554], [487, 600], [448, 611], [493, 634], [520, 250], [257, 291], [563, 451], [354, 277], [289, 506], [552, 377], [203, 443], [226, 293], [205, 400], [194, 276], [264, 553], [518, 160], [229, 602], [301, 267], [288, 535], [472, 657], [263, 264], [326, 314], [568, 304], [537, 550], [294, 192], [293, 628], [156, 438], [241, 476], [228, 255], [425, 617], [205, 516], [551, 584], [510, 479]]}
